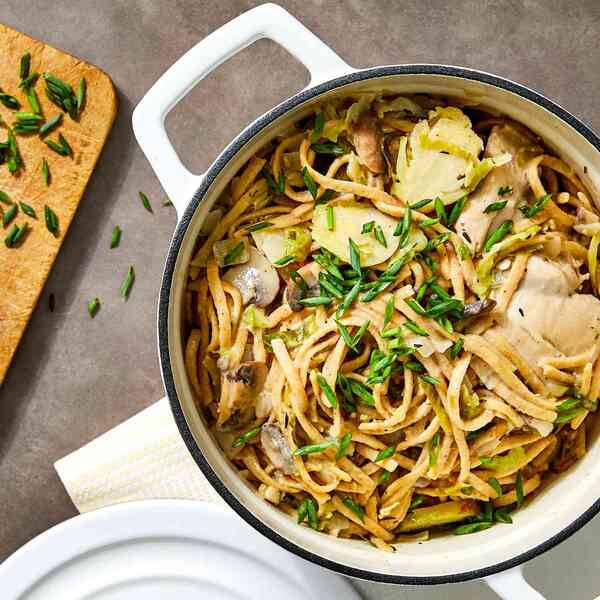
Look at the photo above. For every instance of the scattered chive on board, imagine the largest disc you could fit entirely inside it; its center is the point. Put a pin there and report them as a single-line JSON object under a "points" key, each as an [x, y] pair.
{"points": [[115, 238], [127, 282], [93, 307], [145, 202]]}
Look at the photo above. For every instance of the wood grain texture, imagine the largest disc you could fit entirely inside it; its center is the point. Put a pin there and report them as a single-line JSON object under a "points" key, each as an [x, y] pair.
{"points": [[24, 270]]}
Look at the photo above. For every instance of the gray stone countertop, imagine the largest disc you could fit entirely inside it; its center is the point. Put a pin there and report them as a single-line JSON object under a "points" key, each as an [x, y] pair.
{"points": [[73, 378]]}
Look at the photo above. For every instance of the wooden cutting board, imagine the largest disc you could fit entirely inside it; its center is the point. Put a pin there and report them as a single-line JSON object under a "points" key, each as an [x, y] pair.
{"points": [[25, 268]]}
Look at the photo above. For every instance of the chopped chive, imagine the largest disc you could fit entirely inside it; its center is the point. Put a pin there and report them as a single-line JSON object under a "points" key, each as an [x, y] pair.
{"points": [[51, 220], [430, 379], [9, 214], [403, 227], [65, 144], [385, 475], [302, 510], [472, 527], [145, 202], [328, 285], [385, 453], [519, 489], [80, 95], [496, 486], [24, 65], [389, 312], [362, 392], [61, 94], [5, 198], [501, 515], [45, 171], [315, 301], [258, 226], [9, 101], [349, 299], [325, 197], [50, 124], [330, 219], [495, 206], [359, 334], [440, 210], [298, 280], [128, 282], [28, 210], [285, 260], [413, 365], [313, 518], [415, 328], [354, 257], [15, 234], [315, 448], [344, 444], [281, 183], [392, 333], [456, 210], [345, 334], [434, 445], [504, 190], [115, 238], [58, 148], [326, 389], [536, 207], [270, 181], [416, 307], [327, 148], [421, 203], [498, 235], [416, 501], [368, 227], [463, 252], [311, 186], [428, 223], [318, 129], [355, 508], [379, 236], [456, 347], [246, 437], [28, 81], [93, 307], [233, 253]]}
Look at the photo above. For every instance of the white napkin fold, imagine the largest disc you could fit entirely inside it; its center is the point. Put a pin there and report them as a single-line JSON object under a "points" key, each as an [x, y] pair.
{"points": [[142, 458]]}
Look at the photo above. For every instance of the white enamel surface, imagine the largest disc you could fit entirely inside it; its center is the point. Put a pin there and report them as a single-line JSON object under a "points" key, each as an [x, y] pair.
{"points": [[560, 504], [512, 585], [266, 21], [157, 550]]}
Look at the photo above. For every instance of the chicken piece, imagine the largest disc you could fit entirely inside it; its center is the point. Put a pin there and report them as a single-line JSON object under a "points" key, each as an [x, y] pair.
{"points": [[546, 317], [473, 225], [367, 141]]}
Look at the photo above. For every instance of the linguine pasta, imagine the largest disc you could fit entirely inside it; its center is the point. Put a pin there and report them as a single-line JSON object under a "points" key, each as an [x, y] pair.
{"points": [[393, 319]]}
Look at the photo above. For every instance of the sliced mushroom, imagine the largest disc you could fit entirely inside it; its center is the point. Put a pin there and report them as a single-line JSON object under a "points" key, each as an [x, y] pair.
{"points": [[277, 449], [479, 307], [246, 382], [367, 142], [294, 292], [256, 280]]}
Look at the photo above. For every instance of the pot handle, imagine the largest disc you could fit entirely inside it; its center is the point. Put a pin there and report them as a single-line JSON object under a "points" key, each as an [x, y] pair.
{"points": [[265, 21], [511, 585]]}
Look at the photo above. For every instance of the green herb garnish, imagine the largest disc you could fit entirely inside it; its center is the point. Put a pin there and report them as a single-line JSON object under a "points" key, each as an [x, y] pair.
{"points": [[233, 253], [327, 148], [472, 527], [315, 448], [80, 96], [501, 515], [62, 147], [385, 475], [498, 235], [115, 238], [9, 214], [15, 234], [354, 257], [379, 236], [128, 282], [285, 260], [463, 252], [315, 301], [385, 453], [456, 210], [246, 437], [45, 171], [343, 446], [50, 124], [430, 379], [28, 210], [28, 81], [93, 307], [5, 198], [311, 186], [9, 101], [496, 485], [519, 489], [421, 203], [318, 128], [368, 227], [61, 94], [258, 226], [330, 219], [495, 206], [456, 348], [536, 207], [415, 328], [145, 202], [32, 100], [327, 390], [504, 190], [24, 66], [355, 508], [440, 211]]}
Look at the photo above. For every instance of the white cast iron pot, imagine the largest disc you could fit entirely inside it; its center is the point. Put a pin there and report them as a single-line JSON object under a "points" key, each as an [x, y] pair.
{"points": [[496, 554]]}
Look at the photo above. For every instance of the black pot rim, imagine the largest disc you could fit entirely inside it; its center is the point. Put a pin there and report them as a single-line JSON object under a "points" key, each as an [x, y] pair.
{"points": [[163, 310]]}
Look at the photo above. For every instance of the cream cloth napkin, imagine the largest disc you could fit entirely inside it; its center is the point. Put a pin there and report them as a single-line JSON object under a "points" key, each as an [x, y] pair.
{"points": [[142, 458]]}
